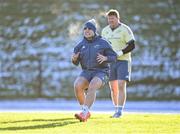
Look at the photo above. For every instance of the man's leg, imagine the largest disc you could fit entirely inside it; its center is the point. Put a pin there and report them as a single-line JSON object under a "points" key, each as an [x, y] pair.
{"points": [[95, 84], [80, 85], [119, 87], [114, 92], [118, 95], [122, 92]]}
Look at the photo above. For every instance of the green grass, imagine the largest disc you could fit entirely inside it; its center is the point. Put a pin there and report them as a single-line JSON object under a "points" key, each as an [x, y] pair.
{"points": [[59, 123]]}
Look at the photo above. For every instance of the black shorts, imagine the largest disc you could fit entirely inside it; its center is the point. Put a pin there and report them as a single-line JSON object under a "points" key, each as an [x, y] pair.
{"points": [[90, 74]]}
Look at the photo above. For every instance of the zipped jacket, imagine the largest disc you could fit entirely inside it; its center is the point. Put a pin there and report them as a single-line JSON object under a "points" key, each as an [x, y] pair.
{"points": [[89, 51]]}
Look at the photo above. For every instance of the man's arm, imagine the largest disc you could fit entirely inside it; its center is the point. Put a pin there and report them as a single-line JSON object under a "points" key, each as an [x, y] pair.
{"points": [[75, 58], [130, 46], [109, 55]]}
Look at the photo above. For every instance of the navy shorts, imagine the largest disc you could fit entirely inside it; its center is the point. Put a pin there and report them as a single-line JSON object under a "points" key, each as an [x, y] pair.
{"points": [[120, 70], [90, 74]]}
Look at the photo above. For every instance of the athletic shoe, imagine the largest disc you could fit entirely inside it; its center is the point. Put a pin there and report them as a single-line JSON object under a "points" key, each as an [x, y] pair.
{"points": [[77, 115], [117, 115], [81, 117]]}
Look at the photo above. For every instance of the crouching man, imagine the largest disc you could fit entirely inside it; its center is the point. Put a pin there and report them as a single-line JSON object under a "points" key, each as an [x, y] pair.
{"points": [[93, 53]]}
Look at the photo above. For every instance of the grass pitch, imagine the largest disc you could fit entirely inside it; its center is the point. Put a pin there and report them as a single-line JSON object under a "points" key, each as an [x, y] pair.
{"points": [[65, 123]]}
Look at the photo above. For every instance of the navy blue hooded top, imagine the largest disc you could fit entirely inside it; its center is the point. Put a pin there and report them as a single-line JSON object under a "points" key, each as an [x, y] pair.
{"points": [[89, 51]]}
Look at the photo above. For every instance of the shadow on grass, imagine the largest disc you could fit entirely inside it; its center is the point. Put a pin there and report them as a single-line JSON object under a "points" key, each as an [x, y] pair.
{"points": [[57, 123], [34, 120]]}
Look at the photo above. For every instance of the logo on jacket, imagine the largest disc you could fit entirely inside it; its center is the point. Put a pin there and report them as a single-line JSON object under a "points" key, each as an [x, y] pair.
{"points": [[96, 46], [83, 47]]}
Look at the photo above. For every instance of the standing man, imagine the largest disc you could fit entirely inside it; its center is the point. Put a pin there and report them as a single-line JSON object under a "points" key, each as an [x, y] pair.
{"points": [[123, 42], [93, 53]]}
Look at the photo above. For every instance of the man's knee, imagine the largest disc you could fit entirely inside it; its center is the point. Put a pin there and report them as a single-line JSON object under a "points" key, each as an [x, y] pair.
{"points": [[122, 85], [80, 84], [114, 86]]}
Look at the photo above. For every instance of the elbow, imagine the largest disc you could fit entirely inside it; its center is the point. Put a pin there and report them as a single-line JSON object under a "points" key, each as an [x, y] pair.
{"points": [[132, 42], [75, 63], [133, 46]]}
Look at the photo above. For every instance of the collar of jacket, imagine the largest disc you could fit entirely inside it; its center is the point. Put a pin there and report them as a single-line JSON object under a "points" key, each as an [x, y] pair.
{"points": [[94, 39]]}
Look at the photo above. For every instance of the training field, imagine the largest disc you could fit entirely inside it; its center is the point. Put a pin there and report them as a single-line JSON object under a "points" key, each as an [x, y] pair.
{"points": [[65, 123]]}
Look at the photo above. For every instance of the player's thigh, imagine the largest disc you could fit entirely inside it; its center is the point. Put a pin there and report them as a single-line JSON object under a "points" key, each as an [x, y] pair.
{"points": [[95, 83], [81, 82], [122, 84]]}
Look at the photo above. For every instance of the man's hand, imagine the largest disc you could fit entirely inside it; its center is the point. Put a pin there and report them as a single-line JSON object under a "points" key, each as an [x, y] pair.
{"points": [[120, 53], [101, 58], [75, 57]]}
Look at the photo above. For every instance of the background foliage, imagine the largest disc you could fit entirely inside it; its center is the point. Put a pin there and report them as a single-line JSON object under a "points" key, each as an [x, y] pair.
{"points": [[37, 39]]}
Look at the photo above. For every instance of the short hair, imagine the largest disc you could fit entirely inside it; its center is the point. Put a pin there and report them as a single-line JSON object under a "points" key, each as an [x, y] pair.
{"points": [[113, 12]]}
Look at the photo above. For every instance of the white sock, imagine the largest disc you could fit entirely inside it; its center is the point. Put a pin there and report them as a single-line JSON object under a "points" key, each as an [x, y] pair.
{"points": [[81, 106], [118, 109], [85, 109]]}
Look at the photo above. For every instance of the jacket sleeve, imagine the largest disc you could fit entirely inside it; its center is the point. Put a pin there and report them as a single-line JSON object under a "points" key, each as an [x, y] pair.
{"points": [[110, 53]]}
